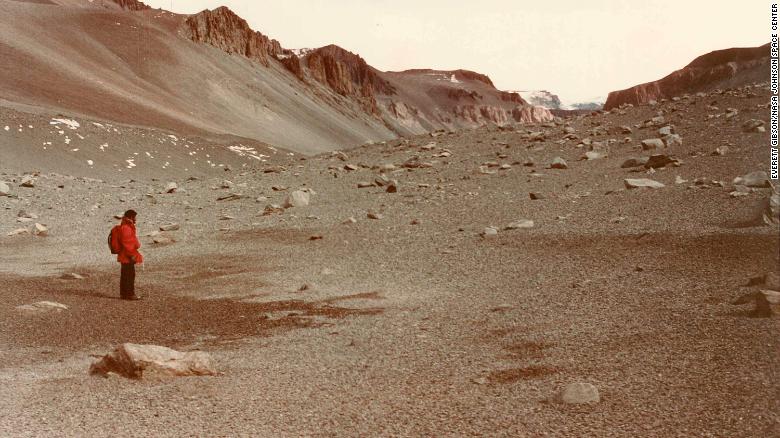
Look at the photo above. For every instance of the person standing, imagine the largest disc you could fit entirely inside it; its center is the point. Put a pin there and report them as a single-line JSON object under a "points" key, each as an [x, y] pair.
{"points": [[128, 255]]}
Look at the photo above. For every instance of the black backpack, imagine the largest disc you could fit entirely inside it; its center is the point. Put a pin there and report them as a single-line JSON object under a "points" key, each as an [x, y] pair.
{"points": [[111, 247]]}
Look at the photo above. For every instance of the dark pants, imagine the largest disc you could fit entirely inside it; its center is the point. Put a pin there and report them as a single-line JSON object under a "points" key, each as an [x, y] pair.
{"points": [[127, 280]]}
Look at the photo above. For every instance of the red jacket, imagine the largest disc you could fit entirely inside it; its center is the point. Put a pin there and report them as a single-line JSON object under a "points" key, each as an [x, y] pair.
{"points": [[128, 243]]}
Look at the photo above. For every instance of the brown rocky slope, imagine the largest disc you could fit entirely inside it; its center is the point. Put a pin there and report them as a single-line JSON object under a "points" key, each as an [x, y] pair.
{"points": [[721, 68]]}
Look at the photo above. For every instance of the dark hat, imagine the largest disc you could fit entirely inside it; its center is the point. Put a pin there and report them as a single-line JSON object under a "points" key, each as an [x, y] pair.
{"points": [[131, 214]]}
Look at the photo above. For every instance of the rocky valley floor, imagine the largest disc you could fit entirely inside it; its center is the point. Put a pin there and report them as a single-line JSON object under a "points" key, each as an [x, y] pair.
{"points": [[501, 265]]}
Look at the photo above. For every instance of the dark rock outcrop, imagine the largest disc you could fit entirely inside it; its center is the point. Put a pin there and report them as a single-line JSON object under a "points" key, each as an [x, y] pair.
{"points": [[721, 68], [225, 30], [132, 5]]}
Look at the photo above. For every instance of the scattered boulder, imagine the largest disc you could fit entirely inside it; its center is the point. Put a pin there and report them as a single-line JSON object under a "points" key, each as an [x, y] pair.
{"points": [[672, 140], [171, 187], [271, 209], [659, 160], [42, 307], [636, 183], [666, 130], [373, 215], [298, 198], [40, 230], [230, 197], [5, 190], [392, 186], [18, 231], [580, 393], [753, 125], [350, 220], [489, 232], [558, 163], [27, 181], [162, 240], [521, 224], [71, 276], [591, 155], [535, 196], [652, 143], [758, 178], [134, 360], [169, 227], [721, 151], [771, 209], [364, 184], [634, 162]]}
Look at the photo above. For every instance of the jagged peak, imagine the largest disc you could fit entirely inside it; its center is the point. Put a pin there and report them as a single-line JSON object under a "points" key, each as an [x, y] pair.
{"points": [[132, 5]]}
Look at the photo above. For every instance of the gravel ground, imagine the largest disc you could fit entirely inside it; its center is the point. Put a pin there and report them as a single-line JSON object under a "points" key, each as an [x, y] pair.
{"points": [[412, 324]]}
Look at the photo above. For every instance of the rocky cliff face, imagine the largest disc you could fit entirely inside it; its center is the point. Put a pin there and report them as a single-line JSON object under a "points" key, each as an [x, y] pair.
{"points": [[347, 74], [132, 5], [721, 68], [225, 30]]}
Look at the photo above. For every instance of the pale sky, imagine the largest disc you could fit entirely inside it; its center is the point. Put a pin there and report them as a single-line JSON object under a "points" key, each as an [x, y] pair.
{"points": [[576, 49]]}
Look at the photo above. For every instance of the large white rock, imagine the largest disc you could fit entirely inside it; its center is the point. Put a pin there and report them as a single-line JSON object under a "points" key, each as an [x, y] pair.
{"points": [[134, 360], [298, 198], [579, 393], [635, 183], [42, 307], [40, 230], [4, 189], [652, 143], [171, 187], [758, 178]]}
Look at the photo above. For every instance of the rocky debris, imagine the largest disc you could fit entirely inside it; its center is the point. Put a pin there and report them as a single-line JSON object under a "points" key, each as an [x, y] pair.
{"points": [[672, 140], [23, 214], [535, 196], [659, 160], [635, 183], [753, 125], [721, 151], [230, 197], [40, 230], [520, 224], [272, 208], [350, 167], [71, 276], [275, 169], [392, 186], [652, 143], [226, 217], [27, 181], [634, 162], [171, 187], [558, 163], [298, 198], [340, 155], [42, 307], [133, 361], [18, 232], [731, 113], [169, 227], [162, 240], [349, 220], [5, 190], [592, 155], [364, 184], [373, 215], [415, 163], [261, 198], [665, 130], [771, 209], [626, 130], [705, 72], [758, 178], [489, 232], [580, 393]]}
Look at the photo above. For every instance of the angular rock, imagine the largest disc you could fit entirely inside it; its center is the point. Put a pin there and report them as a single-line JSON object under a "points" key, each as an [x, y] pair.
{"points": [[72, 276], [580, 393], [489, 232], [373, 215], [134, 361], [558, 163], [364, 184], [171, 187], [298, 198], [27, 181], [271, 209], [40, 230], [753, 125], [521, 224], [18, 231], [652, 143], [169, 227], [758, 178], [392, 186], [659, 160], [672, 140], [635, 183], [5, 190], [634, 162], [591, 155], [42, 307]]}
